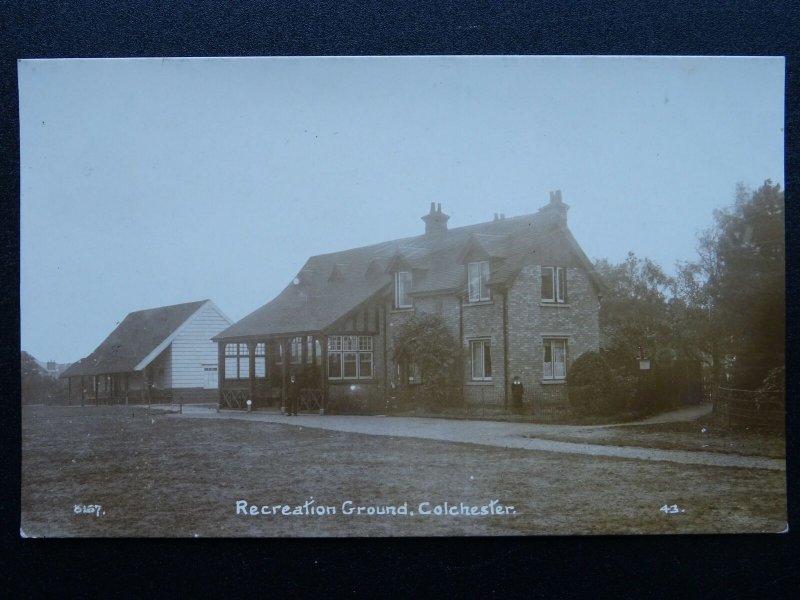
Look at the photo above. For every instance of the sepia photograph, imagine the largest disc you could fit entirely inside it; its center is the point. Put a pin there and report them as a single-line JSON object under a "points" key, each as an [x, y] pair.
{"points": [[408, 296]]}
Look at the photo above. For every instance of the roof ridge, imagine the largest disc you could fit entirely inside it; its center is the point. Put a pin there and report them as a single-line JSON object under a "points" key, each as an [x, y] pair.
{"points": [[423, 236]]}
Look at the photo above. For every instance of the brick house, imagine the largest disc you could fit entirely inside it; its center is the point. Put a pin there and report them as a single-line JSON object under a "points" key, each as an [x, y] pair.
{"points": [[157, 354], [519, 294]]}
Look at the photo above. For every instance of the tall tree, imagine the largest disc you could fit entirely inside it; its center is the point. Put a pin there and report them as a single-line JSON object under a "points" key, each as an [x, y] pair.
{"points": [[635, 311], [734, 293]]}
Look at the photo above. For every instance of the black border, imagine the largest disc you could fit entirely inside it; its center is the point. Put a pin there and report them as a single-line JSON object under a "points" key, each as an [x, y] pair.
{"points": [[648, 566]]}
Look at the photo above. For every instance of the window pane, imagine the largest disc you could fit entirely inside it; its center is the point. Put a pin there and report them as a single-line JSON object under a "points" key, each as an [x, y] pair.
{"points": [[243, 350], [365, 343], [474, 282], [334, 343], [365, 364], [230, 349], [230, 368], [350, 364], [559, 359], [350, 342], [244, 367], [562, 284], [260, 349], [335, 366], [487, 359], [403, 288], [547, 283], [261, 367], [477, 360], [484, 281]]}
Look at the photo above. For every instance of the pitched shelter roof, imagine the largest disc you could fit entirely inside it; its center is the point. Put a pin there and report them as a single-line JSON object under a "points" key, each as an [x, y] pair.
{"points": [[134, 340], [330, 286]]}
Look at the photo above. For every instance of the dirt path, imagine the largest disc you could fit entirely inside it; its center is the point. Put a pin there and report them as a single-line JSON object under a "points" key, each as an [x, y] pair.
{"points": [[489, 433]]}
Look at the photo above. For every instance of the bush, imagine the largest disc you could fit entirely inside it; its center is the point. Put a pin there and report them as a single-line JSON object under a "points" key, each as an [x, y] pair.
{"points": [[597, 389], [427, 342]]}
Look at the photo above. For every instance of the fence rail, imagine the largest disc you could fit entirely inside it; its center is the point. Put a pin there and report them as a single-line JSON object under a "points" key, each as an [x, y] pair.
{"points": [[749, 408]]}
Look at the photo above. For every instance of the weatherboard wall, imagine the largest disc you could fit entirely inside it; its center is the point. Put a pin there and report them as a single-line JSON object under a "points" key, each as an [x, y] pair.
{"points": [[192, 348]]}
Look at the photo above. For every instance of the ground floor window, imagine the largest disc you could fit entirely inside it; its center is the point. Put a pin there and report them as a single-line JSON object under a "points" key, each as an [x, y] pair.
{"points": [[237, 361], [481, 353], [350, 357], [408, 373], [555, 358]]}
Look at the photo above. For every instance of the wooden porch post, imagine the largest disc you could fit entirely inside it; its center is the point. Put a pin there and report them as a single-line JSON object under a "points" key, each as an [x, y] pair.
{"points": [[314, 350], [251, 370], [304, 351], [96, 390], [285, 371], [323, 371], [69, 391], [83, 390], [221, 371]]}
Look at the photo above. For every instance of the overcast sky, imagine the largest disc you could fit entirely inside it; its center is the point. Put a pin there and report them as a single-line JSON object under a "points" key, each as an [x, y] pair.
{"points": [[153, 182]]}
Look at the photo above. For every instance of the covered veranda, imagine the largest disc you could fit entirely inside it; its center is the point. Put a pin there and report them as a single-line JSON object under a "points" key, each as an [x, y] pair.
{"points": [[259, 368]]}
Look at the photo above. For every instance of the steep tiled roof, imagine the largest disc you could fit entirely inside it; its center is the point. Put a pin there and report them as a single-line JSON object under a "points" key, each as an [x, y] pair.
{"points": [[317, 300], [133, 340]]}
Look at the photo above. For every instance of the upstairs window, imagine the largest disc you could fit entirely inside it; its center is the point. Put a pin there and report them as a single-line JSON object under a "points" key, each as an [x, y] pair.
{"points": [[478, 279], [554, 284], [402, 289]]}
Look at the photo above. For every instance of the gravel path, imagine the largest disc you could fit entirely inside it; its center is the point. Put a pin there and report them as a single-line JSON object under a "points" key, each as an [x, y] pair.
{"points": [[489, 433]]}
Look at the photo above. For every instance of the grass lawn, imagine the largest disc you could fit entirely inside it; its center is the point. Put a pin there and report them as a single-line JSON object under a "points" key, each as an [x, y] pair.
{"points": [[164, 475], [704, 434]]}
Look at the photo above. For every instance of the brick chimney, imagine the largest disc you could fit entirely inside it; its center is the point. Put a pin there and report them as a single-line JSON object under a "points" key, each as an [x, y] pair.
{"points": [[436, 220], [556, 210]]}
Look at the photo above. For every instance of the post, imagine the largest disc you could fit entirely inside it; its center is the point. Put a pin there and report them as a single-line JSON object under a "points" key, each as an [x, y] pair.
{"points": [[83, 390], [285, 371], [251, 369], [69, 391], [96, 390], [323, 371], [221, 371]]}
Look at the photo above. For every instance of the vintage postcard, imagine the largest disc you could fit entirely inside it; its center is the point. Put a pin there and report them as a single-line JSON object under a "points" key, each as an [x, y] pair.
{"points": [[402, 296]]}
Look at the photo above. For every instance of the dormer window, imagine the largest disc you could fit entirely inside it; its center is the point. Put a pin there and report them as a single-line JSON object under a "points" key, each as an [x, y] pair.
{"points": [[554, 284], [402, 289], [478, 279]]}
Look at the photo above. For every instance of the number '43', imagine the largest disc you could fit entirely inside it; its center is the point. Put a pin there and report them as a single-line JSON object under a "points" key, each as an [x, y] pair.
{"points": [[670, 509]]}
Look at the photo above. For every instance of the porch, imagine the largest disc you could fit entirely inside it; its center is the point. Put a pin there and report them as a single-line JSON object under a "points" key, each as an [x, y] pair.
{"points": [[259, 369]]}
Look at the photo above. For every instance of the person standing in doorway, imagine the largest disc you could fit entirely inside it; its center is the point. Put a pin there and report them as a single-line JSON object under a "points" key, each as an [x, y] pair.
{"points": [[517, 390]]}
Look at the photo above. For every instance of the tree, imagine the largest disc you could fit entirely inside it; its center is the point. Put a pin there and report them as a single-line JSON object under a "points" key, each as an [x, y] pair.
{"points": [[734, 294], [426, 342], [635, 311]]}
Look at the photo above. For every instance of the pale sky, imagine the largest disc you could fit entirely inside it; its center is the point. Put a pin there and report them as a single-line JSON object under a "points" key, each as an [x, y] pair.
{"points": [[149, 182]]}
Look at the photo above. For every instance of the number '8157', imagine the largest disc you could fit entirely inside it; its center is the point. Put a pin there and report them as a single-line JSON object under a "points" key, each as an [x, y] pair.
{"points": [[88, 509]]}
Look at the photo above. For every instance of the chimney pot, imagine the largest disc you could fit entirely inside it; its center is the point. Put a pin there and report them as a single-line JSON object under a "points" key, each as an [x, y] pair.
{"points": [[495, 216], [433, 207], [502, 216], [439, 207]]}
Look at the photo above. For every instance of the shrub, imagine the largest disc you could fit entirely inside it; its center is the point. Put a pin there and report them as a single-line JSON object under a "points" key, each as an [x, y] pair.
{"points": [[427, 342], [597, 389]]}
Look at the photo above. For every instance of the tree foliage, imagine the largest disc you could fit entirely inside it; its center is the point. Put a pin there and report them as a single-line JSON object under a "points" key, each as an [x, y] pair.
{"points": [[426, 341], [734, 293], [635, 311], [36, 385]]}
